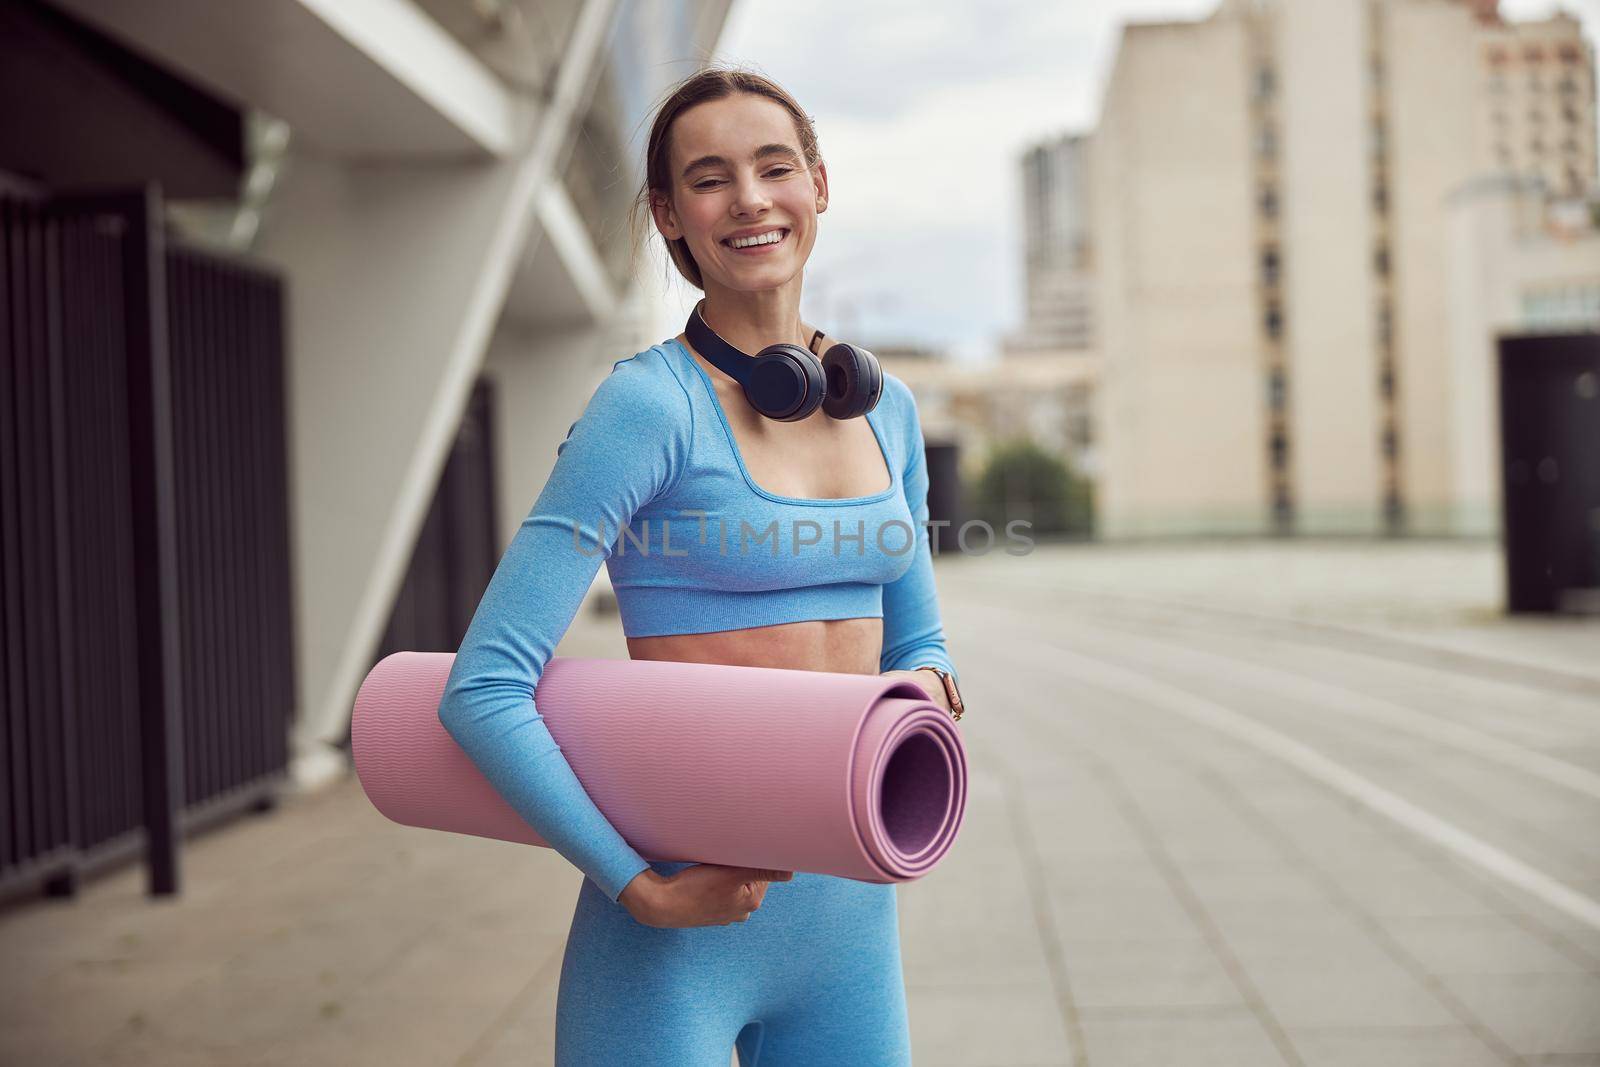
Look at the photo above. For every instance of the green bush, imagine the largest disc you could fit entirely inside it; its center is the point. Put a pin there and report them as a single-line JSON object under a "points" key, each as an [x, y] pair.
{"points": [[1020, 480]]}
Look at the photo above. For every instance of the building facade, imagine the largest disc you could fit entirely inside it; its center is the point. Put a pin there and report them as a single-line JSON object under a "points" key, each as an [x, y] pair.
{"points": [[1058, 266], [1270, 192]]}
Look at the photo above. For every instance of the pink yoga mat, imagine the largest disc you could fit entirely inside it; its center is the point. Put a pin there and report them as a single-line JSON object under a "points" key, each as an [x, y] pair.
{"points": [[852, 775]]}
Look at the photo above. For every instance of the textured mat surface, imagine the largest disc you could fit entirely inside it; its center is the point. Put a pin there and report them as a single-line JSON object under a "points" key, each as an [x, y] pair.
{"points": [[852, 775]]}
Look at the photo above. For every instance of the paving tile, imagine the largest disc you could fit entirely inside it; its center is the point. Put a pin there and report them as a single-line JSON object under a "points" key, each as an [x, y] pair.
{"points": [[1152, 974], [1412, 889], [1485, 944], [1331, 994], [975, 949], [1119, 915], [1400, 1046], [953, 1026], [1231, 1037], [1537, 1015]]}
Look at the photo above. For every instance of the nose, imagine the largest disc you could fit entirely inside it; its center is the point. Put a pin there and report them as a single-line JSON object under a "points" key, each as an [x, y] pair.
{"points": [[750, 198]]}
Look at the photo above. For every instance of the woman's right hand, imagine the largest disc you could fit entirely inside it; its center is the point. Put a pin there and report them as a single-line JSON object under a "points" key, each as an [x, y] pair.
{"points": [[706, 894]]}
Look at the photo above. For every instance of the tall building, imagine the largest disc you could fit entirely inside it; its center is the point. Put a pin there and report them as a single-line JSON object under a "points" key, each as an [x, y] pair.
{"points": [[1537, 114], [1269, 192], [1058, 257]]}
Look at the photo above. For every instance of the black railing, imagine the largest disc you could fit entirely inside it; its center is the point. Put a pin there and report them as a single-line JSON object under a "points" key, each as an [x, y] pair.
{"points": [[144, 566]]}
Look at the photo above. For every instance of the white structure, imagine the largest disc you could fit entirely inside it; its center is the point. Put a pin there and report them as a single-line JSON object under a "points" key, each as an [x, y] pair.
{"points": [[1518, 263], [446, 209]]}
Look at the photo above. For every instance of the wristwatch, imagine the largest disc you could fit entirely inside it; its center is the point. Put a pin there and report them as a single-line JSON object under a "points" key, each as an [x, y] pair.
{"points": [[950, 691]]}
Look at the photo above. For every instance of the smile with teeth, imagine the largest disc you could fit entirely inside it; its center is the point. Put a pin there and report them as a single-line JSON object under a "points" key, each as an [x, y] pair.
{"points": [[771, 237]]}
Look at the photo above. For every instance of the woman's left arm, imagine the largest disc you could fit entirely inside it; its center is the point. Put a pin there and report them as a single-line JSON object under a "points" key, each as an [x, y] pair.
{"points": [[913, 634]]}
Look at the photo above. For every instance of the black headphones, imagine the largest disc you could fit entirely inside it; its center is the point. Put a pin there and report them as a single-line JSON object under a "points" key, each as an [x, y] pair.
{"points": [[784, 383]]}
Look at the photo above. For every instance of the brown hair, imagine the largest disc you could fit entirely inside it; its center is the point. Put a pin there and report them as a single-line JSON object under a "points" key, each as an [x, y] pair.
{"points": [[712, 83]]}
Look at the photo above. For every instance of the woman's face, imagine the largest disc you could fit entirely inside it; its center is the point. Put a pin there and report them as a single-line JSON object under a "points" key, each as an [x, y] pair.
{"points": [[727, 178]]}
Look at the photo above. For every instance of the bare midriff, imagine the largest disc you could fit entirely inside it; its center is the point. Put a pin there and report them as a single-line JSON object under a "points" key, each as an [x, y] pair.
{"points": [[841, 646]]}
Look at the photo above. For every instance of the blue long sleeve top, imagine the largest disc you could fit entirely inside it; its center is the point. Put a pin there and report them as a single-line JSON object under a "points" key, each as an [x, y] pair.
{"points": [[649, 479]]}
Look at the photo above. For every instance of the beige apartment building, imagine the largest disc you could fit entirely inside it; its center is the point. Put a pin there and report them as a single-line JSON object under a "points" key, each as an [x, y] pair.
{"points": [[1270, 221], [978, 406]]}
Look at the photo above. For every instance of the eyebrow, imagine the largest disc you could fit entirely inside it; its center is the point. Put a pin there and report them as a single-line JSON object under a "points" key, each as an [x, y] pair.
{"points": [[760, 153]]}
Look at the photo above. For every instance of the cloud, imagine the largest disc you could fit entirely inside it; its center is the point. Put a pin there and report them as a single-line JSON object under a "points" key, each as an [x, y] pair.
{"points": [[923, 114]]}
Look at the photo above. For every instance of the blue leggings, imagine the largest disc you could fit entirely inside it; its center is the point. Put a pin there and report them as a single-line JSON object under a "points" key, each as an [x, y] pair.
{"points": [[812, 977]]}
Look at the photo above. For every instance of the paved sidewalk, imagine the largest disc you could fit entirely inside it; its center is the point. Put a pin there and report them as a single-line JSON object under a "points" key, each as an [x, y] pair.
{"points": [[1186, 843]]}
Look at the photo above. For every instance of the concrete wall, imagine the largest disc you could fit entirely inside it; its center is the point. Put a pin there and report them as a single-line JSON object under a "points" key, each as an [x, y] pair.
{"points": [[1434, 83], [1180, 412], [1320, 55]]}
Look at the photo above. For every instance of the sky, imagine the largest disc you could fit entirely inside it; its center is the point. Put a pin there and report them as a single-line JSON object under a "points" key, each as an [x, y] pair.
{"points": [[922, 118]]}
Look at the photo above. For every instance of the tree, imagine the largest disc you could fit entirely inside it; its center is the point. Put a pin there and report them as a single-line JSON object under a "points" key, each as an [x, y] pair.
{"points": [[1021, 480]]}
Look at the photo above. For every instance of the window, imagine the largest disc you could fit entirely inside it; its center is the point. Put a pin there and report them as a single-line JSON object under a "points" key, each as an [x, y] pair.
{"points": [[1273, 321], [1386, 380], [1385, 325], [1380, 260], [1380, 198], [1391, 443], [1265, 82], [1269, 201], [1269, 265], [1276, 390], [1266, 143], [1280, 449]]}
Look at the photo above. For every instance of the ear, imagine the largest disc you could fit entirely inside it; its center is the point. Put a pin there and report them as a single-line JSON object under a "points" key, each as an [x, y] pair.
{"points": [[819, 178], [666, 218]]}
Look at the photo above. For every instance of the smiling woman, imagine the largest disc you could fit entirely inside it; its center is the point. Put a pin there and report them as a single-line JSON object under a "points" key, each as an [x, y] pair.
{"points": [[790, 163], [677, 962]]}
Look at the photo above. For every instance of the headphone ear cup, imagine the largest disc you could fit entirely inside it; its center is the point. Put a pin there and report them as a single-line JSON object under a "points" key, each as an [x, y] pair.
{"points": [[784, 383], [855, 381]]}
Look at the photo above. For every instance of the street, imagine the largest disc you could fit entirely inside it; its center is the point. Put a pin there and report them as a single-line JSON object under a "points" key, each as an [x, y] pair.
{"points": [[1295, 803]]}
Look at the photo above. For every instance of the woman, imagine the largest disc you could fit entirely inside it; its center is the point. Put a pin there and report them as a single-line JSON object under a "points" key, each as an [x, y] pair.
{"points": [[668, 475]]}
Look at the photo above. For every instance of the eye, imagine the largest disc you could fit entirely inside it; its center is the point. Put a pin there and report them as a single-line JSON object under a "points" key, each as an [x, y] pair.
{"points": [[708, 183], [779, 170]]}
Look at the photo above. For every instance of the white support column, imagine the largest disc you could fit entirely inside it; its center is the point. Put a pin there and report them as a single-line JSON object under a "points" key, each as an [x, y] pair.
{"points": [[397, 281]]}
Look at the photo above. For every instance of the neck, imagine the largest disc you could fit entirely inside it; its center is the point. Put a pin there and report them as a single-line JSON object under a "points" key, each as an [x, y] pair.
{"points": [[752, 320]]}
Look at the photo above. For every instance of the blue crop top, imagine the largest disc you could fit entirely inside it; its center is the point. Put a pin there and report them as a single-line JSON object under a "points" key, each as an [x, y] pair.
{"points": [[650, 479]]}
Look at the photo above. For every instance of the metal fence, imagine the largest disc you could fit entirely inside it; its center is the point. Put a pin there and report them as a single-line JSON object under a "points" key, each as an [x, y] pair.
{"points": [[145, 579]]}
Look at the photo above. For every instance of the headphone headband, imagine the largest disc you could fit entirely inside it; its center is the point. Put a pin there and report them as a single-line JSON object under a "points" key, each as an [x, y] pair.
{"points": [[786, 382]]}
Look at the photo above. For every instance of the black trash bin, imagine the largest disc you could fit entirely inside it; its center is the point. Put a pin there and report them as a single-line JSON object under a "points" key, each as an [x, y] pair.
{"points": [[1550, 471]]}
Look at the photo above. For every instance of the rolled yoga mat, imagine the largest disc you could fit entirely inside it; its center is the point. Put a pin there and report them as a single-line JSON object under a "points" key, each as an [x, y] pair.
{"points": [[853, 775]]}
